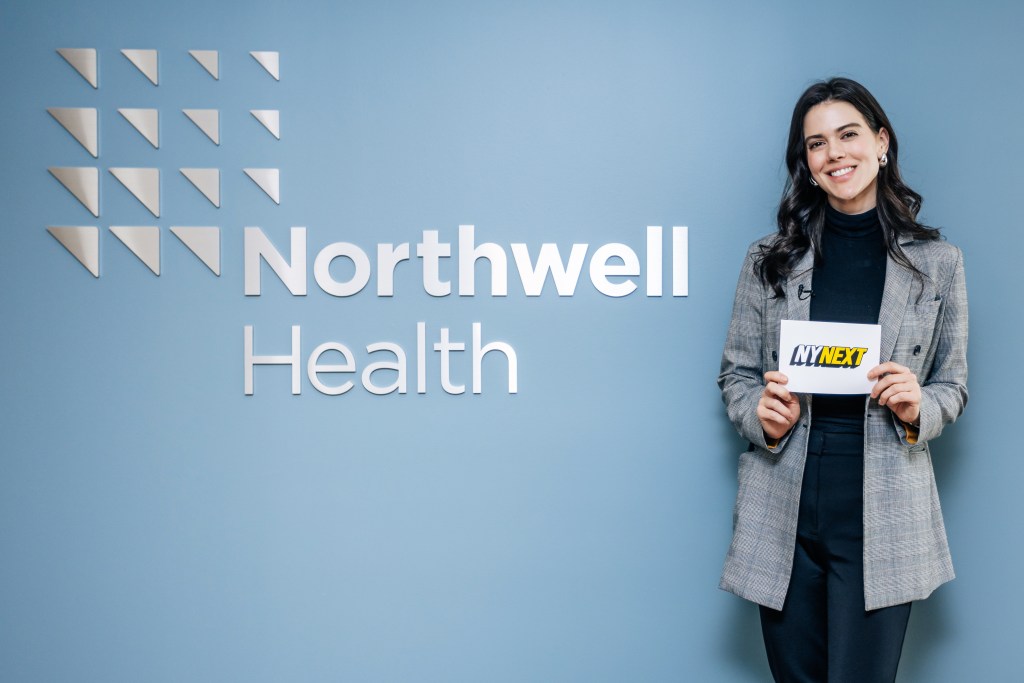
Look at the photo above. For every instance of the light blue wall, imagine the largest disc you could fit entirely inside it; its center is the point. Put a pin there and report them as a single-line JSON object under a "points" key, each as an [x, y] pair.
{"points": [[158, 525]]}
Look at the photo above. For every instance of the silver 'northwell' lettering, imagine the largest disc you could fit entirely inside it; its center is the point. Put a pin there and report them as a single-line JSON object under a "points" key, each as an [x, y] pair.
{"points": [[614, 268]]}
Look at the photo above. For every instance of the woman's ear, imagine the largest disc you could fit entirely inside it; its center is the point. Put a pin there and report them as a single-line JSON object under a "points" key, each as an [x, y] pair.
{"points": [[883, 141]]}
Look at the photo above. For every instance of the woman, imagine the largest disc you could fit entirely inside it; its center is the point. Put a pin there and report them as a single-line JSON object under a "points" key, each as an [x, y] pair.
{"points": [[837, 526]]}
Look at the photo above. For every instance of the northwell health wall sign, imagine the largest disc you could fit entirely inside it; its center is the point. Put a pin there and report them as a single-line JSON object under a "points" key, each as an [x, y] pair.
{"points": [[608, 261], [613, 269]]}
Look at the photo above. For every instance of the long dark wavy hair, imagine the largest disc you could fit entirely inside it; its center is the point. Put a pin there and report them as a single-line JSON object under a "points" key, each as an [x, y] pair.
{"points": [[802, 209]]}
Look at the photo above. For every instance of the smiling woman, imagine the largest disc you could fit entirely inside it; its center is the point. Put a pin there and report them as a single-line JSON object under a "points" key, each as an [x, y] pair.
{"points": [[837, 525], [844, 155]]}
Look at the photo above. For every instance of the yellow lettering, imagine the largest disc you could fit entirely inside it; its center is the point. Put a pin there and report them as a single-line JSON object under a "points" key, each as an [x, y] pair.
{"points": [[827, 354]]}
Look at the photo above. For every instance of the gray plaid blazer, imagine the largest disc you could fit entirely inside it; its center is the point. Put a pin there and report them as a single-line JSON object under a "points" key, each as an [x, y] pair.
{"points": [[924, 327]]}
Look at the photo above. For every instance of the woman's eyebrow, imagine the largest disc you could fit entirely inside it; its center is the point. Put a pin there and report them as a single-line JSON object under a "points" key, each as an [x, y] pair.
{"points": [[852, 124]]}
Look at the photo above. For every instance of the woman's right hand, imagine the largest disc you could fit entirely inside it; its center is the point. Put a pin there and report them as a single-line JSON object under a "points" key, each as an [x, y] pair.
{"points": [[778, 409]]}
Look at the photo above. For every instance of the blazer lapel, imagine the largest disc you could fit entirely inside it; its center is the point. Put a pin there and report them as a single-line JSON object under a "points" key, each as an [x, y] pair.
{"points": [[898, 281], [797, 307], [897, 292]]}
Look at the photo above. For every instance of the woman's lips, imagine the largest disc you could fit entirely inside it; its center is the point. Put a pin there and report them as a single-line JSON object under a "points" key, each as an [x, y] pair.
{"points": [[841, 173]]}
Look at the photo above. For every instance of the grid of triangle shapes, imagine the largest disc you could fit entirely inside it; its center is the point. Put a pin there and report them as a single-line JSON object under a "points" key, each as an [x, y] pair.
{"points": [[144, 183]]}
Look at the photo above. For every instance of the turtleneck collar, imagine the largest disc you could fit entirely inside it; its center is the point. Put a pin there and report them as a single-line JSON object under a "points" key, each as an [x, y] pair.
{"points": [[852, 225]]}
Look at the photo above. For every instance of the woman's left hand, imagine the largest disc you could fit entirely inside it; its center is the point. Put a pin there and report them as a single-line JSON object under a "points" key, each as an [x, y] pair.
{"points": [[898, 389]]}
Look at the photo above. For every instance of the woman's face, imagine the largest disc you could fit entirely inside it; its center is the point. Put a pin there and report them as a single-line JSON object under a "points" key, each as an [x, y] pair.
{"points": [[842, 155]]}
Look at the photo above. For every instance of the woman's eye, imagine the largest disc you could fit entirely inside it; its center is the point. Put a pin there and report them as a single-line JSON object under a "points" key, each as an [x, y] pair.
{"points": [[849, 134], [815, 144]]}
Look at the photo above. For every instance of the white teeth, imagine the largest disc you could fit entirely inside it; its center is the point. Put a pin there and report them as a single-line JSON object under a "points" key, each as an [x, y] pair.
{"points": [[842, 171]]}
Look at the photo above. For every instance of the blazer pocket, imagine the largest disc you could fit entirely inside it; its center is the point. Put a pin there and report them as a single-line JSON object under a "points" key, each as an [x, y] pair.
{"points": [[924, 314]]}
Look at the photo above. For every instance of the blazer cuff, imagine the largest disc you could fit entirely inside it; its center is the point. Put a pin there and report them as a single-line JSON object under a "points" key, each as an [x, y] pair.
{"points": [[910, 432], [762, 440], [929, 423], [769, 444]]}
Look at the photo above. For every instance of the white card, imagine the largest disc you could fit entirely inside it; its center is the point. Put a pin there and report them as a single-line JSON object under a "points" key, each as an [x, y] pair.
{"points": [[828, 358]]}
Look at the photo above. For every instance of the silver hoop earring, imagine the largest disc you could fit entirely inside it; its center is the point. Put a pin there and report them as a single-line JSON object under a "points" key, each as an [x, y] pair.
{"points": [[884, 161], [813, 183]]}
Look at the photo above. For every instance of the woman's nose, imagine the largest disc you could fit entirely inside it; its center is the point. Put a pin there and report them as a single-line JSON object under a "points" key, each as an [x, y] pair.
{"points": [[836, 151]]}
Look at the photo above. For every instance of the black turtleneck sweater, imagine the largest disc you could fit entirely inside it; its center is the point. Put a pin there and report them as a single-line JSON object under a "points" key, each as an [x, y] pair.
{"points": [[847, 288]]}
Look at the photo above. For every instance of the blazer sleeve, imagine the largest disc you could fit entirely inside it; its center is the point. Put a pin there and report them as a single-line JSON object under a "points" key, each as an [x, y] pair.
{"points": [[742, 373], [944, 388]]}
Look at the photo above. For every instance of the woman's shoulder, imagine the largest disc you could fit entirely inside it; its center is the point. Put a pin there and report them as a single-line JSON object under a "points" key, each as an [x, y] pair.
{"points": [[762, 244], [937, 252], [937, 259]]}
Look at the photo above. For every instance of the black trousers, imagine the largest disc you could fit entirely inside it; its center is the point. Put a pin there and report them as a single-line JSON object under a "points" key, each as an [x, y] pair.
{"points": [[823, 634]]}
